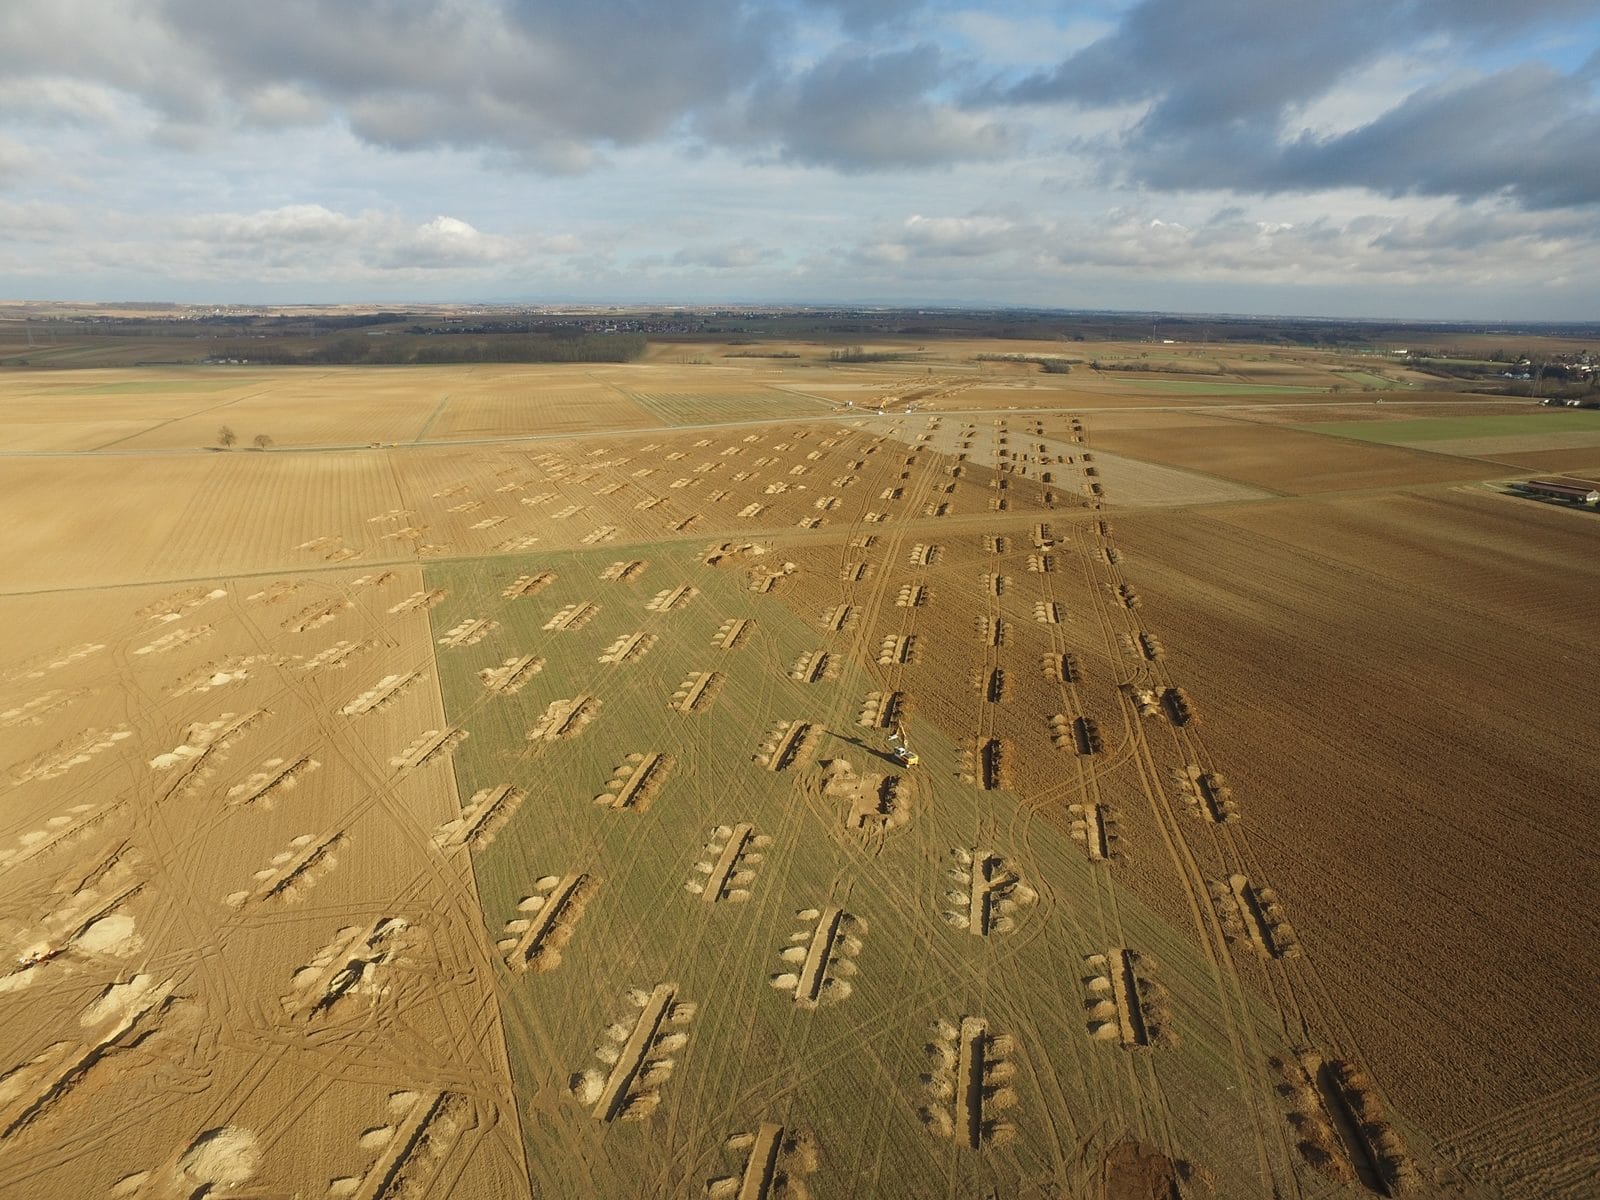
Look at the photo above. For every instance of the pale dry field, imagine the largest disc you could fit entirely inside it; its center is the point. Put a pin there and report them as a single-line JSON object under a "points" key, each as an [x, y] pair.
{"points": [[211, 871], [516, 817]]}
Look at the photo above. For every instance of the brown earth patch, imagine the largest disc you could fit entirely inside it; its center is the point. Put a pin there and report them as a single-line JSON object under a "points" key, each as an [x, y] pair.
{"points": [[1287, 460], [1358, 698], [1132, 1171]]}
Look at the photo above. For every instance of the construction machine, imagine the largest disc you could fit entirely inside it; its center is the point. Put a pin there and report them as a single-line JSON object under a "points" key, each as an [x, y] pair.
{"points": [[900, 750]]}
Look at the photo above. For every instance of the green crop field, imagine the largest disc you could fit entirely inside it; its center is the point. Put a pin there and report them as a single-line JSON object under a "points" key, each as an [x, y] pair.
{"points": [[1437, 429], [848, 1071], [1368, 379], [1197, 387]]}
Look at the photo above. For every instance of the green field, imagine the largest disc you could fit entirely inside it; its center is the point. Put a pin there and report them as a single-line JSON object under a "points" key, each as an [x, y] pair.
{"points": [[695, 408], [847, 1072], [1368, 379], [1438, 429], [1197, 387]]}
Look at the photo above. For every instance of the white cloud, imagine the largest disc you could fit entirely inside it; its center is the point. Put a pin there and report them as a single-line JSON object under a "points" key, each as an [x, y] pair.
{"points": [[446, 242], [962, 237], [56, 100], [16, 160], [1488, 246], [35, 220], [294, 223], [1363, 96], [726, 256]]}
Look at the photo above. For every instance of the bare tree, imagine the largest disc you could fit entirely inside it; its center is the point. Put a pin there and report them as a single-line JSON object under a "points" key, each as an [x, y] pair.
{"points": [[226, 436], [263, 440]]}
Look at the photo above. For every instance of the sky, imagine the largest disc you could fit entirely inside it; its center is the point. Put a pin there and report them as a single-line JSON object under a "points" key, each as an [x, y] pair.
{"points": [[1387, 158]]}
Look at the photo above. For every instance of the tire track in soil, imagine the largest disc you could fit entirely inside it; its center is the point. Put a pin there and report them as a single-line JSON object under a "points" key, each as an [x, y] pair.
{"points": [[1060, 1106], [691, 745], [694, 1114], [889, 546], [366, 767], [690, 1115], [174, 904], [1106, 913], [957, 973], [173, 844], [1093, 1068], [1140, 1100], [775, 881], [787, 1075], [1308, 1013], [480, 961], [360, 759], [1233, 1003], [986, 976], [704, 1115], [1315, 1020], [1107, 889], [1240, 1021]]}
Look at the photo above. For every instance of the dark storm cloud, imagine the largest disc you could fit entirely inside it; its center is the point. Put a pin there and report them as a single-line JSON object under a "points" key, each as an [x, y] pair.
{"points": [[1223, 79]]}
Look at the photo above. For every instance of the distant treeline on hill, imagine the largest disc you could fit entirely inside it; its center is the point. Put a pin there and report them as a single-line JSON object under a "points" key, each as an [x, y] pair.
{"points": [[403, 350], [1051, 364], [860, 354]]}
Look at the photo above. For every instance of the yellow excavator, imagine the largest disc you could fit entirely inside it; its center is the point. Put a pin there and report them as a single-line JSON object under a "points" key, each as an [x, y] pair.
{"points": [[899, 750]]}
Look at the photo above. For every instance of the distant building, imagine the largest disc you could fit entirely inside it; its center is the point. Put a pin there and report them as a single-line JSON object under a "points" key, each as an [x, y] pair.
{"points": [[1576, 492]]}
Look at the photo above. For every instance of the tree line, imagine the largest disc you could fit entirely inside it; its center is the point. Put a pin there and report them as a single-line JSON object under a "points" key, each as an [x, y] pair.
{"points": [[401, 350]]}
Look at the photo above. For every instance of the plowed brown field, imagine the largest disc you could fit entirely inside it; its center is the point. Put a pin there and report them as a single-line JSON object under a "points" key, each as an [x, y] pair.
{"points": [[1284, 460], [1392, 685]]}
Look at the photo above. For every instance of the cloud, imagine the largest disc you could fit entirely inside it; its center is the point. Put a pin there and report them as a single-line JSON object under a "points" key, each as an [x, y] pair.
{"points": [[1482, 246], [62, 101], [862, 16], [1205, 61], [16, 161], [1223, 83], [446, 242], [279, 105], [729, 256], [543, 84], [1527, 132], [448, 149], [311, 237], [957, 237], [1024, 39], [540, 78], [303, 224], [863, 111], [35, 220]]}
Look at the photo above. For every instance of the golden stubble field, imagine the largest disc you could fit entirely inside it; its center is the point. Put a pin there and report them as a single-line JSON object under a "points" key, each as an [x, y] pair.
{"points": [[506, 808]]}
